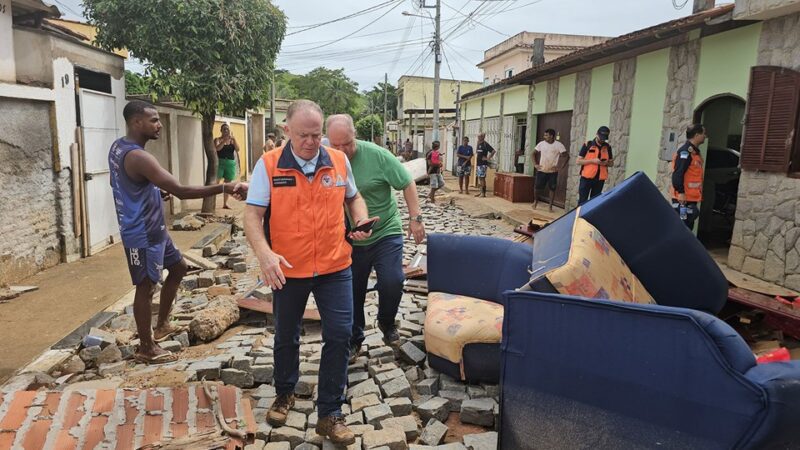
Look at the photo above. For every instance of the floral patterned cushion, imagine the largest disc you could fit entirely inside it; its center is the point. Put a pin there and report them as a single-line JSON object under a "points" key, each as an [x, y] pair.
{"points": [[453, 321], [595, 270]]}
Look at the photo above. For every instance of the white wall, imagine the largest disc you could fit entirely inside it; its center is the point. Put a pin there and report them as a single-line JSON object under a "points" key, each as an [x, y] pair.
{"points": [[191, 156], [8, 71]]}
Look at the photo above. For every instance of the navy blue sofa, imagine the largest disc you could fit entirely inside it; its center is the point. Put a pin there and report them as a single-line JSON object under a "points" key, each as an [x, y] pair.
{"points": [[580, 373]]}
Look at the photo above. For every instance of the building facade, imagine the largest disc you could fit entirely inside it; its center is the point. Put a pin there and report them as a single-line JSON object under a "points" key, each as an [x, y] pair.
{"points": [[648, 86]]}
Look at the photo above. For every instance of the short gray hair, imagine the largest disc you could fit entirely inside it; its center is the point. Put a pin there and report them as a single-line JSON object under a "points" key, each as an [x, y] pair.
{"points": [[340, 118], [303, 105]]}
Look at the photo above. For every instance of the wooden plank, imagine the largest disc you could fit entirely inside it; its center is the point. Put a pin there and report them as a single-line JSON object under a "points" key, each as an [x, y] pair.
{"points": [[753, 284], [264, 306]]}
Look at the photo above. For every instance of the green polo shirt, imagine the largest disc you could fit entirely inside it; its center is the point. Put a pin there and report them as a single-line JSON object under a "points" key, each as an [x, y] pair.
{"points": [[377, 172]]}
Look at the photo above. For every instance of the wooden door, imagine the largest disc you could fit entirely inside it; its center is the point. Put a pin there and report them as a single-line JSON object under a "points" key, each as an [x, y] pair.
{"points": [[562, 123]]}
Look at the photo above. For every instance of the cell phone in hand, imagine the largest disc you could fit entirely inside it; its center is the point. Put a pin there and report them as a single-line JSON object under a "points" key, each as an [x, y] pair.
{"points": [[366, 226]]}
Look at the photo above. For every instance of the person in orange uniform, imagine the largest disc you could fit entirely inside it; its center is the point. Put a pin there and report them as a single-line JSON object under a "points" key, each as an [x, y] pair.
{"points": [[595, 158], [687, 176], [295, 223]]}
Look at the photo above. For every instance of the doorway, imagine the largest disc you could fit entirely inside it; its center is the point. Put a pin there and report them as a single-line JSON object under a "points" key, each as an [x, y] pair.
{"points": [[723, 118], [562, 123]]}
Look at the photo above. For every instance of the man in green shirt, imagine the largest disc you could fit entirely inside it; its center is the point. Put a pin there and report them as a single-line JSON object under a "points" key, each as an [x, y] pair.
{"points": [[377, 172]]}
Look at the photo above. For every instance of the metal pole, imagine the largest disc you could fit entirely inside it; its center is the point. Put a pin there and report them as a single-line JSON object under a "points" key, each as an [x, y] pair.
{"points": [[371, 123], [437, 66], [272, 106], [385, 103]]}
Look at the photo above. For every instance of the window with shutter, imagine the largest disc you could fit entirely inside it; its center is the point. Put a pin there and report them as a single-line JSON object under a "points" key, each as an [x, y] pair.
{"points": [[770, 137]]}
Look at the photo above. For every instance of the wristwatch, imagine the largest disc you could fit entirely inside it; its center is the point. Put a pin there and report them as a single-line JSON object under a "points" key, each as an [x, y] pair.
{"points": [[415, 218]]}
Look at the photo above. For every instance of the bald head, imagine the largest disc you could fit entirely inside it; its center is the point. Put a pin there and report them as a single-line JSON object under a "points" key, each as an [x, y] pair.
{"points": [[342, 133], [303, 106]]}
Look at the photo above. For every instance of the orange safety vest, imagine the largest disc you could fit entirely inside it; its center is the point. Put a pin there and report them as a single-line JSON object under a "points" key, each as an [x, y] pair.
{"points": [[590, 170], [692, 179], [306, 219]]}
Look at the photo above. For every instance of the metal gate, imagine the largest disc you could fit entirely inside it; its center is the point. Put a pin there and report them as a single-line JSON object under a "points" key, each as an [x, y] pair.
{"points": [[98, 113]]}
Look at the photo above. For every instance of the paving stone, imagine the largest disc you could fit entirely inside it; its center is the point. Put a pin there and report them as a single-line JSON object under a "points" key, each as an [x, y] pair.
{"points": [[429, 386], [410, 326], [307, 446], [210, 370], [447, 383], [413, 374], [228, 344], [258, 444], [265, 402], [183, 339], [73, 365], [296, 420], [90, 354], [419, 342], [437, 408], [313, 438], [263, 360], [242, 363], [420, 399], [430, 372], [205, 279], [380, 351], [374, 414], [400, 406], [127, 351], [223, 279], [240, 267], [455, 398], [291, 435], [304, 406], [393, 438], [476, 391], [262, 374], [399, 387], [356, 418], [374, 370], [263, 431], [115, 368], [362, 389], [309, 369], [328, 445], [305, 385], [263, 293], [478, 411], [356, 377], [278, 446], [312, 420], [257, 331], [359, 403], [383, 377], [358, 430], [492, 390], [238, 378], [450, 446], [481, 441], [189, 283], [434, 432], [406, 423]]}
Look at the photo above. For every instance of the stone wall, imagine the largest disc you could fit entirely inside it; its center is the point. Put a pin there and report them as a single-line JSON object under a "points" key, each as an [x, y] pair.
{"points": [[765, 238], [679, 101], [621, 106], [33, 198], [552, 95], [580, 118]]}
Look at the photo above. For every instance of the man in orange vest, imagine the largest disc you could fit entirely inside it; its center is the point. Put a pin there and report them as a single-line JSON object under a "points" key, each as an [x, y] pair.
{"points": [[295, 224], [594, 158], [687, 176]]}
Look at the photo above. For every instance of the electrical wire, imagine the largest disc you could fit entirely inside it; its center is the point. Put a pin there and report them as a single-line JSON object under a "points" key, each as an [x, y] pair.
{"points": [[681, 6], [349, 16], [470, 18], [68, 8]]}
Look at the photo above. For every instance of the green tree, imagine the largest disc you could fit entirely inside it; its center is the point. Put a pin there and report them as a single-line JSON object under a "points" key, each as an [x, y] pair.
{"points": [[369, 126], [333, 91], [213, 55], [284, 84], [374, 97], [137, 84]]}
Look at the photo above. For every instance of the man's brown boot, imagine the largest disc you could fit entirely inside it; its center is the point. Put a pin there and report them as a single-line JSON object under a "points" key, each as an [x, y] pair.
{"points": [[333, 428], [276, 416]]}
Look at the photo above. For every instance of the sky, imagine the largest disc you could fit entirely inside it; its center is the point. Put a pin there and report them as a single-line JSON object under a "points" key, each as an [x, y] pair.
{"points": [[385, 41]]}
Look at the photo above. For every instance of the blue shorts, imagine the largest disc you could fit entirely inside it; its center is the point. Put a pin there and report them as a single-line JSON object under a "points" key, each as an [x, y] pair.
{"points": [[482, 171], [150, 261]]}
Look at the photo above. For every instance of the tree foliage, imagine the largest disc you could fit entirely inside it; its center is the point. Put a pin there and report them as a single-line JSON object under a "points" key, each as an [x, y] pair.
{"points": [[375, 96], [137, 84], [330, 88], [214, 55], [369, 126]]}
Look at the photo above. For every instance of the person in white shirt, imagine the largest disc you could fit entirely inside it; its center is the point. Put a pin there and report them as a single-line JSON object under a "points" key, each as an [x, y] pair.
{"points": [[552, 157]]}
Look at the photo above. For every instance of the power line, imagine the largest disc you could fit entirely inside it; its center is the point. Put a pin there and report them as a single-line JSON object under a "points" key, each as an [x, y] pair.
{"points": [[406, 34], [444, 55], [677, 6], [69, 8], [349, 16]]}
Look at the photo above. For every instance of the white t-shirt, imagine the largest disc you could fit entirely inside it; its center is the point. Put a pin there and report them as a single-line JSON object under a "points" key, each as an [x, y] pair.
{"points": [[549, 153]]}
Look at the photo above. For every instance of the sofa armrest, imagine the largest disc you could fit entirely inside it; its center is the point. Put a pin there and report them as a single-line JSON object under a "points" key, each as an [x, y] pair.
{"points": [[476, 266], [639, 373], [781, 382]]}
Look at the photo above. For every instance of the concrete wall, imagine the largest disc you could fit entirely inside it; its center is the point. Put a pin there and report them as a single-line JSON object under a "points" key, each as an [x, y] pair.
{"points": [[647, 114], [580, 120], [417, 92], [600, 101], [34, 57], [32, 219], [566, 93], [725, 62], [620, 122], [765, 240], [764, 9], [8, 71], [191, 155]]}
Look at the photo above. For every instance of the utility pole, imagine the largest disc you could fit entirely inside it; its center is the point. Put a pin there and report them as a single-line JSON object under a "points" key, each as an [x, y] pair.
{"points": [[437, 53], [371, 123], [385, 82], [272, 106]]}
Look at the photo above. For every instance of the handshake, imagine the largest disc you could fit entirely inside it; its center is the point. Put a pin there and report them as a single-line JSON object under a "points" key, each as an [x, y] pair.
{"points": [[239, 191]]}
